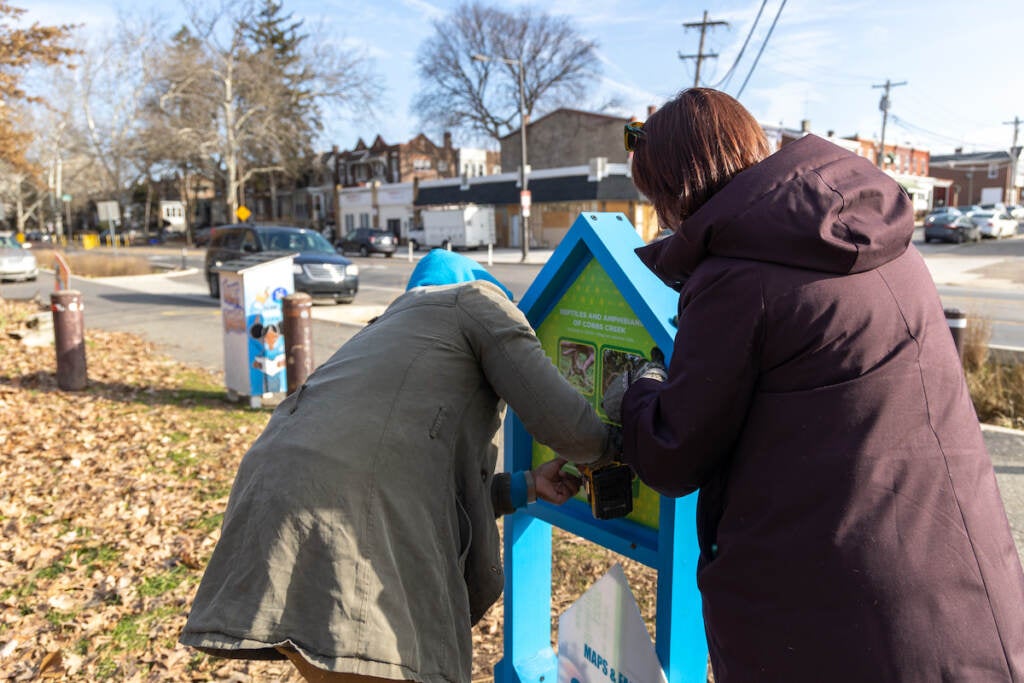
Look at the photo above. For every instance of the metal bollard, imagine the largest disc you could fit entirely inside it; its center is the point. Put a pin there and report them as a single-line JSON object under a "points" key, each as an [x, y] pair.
{"points": [[957, 321], [69, 338], [298, 338]]}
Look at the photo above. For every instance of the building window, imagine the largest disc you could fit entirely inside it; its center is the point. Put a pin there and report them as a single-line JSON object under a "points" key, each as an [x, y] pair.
{"points": [[350, 222], [993, 171], [364, 220]]}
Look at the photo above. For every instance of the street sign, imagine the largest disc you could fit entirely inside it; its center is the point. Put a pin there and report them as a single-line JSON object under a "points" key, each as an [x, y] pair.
{"points": [[108, 211], [243, 213], [65, 198]]}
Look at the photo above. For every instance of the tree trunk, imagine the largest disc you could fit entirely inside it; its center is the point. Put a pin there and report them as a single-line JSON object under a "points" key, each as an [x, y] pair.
{"points": [[145, 213], [273, 197]]}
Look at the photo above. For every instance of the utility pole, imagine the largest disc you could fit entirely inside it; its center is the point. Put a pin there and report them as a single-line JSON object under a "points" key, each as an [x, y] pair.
{"points": [[883, 104], [1011, 195], [700, 56], [336, 193]]}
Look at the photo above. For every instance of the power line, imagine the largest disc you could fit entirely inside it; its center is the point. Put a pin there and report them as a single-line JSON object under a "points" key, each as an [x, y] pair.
{"points": [[701, 56], [759, 52], [899, 121], [728, 74]]}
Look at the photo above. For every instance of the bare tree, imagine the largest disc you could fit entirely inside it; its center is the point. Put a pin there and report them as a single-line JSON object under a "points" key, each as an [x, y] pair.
{"points": [[481, 98], [259, 110], [109, 94]]}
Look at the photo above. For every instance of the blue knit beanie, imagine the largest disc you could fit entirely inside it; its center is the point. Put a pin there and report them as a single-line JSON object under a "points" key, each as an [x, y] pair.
{"points": [[443, 267]]}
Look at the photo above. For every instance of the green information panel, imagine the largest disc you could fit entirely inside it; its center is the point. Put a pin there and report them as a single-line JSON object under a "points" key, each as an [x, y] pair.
{"points": [[591, 335]]}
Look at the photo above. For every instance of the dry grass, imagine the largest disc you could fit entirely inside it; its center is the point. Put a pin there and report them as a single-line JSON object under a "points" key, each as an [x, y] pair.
{"points": [[95, 264], [111, 502], [997, 389], [975, 342]]}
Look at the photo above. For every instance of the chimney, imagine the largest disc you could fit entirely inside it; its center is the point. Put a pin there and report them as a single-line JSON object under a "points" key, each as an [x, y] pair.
{"points": [[651, 109], [447, 140], [958, 151], [805, 126], [831, 133]]}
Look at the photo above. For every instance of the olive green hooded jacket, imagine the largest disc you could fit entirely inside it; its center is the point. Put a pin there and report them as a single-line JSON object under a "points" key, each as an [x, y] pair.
{"points": [[360, 528]]}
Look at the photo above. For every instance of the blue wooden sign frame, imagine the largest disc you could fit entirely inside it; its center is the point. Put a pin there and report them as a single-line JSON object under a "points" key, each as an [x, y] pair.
{"points": [[671, 549]]}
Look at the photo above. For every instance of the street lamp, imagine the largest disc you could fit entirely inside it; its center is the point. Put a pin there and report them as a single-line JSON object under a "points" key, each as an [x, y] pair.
{"points": [[524, 201]]}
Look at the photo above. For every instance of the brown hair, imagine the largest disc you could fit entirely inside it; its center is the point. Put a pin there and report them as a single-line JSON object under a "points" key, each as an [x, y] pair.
{"points": [[692, 147]]}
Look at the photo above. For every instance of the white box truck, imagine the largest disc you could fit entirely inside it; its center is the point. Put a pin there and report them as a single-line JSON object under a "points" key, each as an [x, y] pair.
{"points": [[466, 227]]}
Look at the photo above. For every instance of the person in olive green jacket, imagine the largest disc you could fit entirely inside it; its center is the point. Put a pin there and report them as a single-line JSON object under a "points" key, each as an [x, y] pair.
{"points": [[359, 539]]}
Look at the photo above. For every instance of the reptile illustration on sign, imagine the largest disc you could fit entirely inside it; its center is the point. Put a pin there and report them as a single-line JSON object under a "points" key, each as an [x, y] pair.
{"points": [[598, 311], [594, 335]]}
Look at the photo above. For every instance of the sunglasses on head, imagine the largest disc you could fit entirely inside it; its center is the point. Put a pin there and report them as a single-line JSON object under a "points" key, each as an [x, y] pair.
{"points": [[633, 134]]}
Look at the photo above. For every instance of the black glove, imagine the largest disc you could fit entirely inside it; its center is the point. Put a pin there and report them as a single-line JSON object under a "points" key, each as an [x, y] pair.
{"points": [[611, 402], [611, 451]]}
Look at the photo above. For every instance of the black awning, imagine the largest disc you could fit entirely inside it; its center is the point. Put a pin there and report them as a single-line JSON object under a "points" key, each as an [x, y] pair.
{"points": [[560, 189]]}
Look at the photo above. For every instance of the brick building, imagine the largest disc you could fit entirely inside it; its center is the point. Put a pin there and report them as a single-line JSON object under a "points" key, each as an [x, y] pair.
{"points": [[980, 177], [566, 137]]}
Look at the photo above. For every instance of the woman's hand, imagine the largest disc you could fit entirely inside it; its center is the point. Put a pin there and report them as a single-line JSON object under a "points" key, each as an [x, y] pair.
{"points": [[554, 485]]}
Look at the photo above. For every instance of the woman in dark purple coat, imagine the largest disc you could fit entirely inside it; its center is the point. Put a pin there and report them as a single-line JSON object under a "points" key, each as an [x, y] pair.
{"points": [[849, 521]]}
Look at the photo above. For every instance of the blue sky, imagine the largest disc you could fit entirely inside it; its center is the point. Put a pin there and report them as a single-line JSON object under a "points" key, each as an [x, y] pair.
{"points": [[961, 61]]}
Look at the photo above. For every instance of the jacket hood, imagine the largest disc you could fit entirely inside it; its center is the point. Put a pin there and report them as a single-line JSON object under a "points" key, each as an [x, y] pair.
{"points": [[442, 267], [811, 205]]}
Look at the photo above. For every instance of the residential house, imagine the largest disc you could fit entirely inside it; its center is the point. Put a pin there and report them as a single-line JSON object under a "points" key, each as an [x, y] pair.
{"points": [[387, 206], [418, 158], [474, 162], [980, 177]]}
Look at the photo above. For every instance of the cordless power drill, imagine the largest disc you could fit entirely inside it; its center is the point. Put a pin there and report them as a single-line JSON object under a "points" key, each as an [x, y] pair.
{"points": [[609, 489]]}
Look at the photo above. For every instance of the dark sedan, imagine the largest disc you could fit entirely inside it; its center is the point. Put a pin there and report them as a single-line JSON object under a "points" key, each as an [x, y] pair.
{"points": [[952, 226], [368, 241]]}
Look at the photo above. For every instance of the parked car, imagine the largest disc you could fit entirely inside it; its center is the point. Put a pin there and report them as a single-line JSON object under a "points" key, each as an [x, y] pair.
{"points": [[38, 237], [368, 241], [17, 262], [993, 224], [1016, 211], [998, 207], [951, 226], [969, 208], [320, 270], [940, 212]]}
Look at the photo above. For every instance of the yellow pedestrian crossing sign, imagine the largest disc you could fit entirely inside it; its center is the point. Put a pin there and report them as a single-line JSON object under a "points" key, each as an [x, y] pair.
{"points": [[243, 213]]}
